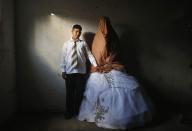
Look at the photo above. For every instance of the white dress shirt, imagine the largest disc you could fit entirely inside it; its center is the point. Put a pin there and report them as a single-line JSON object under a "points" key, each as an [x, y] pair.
{"points": [[83, 52]]}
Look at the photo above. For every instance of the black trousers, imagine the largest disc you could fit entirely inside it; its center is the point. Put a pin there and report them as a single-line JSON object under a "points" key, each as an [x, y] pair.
{"points": [[75, 86]]}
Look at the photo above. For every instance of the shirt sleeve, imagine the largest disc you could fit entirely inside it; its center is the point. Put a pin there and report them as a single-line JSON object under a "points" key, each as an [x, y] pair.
{"points": [[63, 56], [90, 55]]}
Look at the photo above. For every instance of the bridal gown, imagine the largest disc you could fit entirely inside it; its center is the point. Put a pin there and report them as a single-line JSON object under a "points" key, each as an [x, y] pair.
{"points": [[114, 100]]}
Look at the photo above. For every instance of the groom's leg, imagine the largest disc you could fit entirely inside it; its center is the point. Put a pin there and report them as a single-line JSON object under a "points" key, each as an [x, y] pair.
{"points": [[70, 94], [80, 88]]}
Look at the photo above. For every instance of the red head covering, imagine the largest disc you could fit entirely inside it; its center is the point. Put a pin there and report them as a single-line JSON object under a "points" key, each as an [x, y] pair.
{"points": [[104, 47]]}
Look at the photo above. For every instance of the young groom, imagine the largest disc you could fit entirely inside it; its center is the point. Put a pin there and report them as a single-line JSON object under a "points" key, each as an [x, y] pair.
{"points": [[75, 52]]}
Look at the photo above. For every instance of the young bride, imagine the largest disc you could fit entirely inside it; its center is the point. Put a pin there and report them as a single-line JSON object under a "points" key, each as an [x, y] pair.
{"points": [[112, 98]]}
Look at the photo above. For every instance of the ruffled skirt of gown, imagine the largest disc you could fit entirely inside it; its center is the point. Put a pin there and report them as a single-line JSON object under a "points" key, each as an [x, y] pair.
{"points": [[114, 100]]}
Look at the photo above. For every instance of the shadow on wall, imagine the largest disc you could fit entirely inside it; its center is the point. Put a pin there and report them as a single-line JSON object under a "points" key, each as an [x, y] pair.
{"points": [[88, 37], [165, 62], [128, 49]]}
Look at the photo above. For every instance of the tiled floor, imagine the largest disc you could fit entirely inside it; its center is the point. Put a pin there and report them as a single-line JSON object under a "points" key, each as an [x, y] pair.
{"points": [[56, 122]]}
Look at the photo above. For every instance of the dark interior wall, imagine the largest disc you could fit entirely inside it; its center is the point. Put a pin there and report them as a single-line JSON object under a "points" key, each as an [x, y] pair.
{"points": [[155, 41], [7, 60]]}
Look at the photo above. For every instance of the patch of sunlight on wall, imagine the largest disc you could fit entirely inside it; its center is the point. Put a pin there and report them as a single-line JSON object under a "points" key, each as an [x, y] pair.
{"points": [[49, 35]]}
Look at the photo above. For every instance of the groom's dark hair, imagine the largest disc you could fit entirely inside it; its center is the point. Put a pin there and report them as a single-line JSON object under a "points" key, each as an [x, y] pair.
{"points": [[76, 26]]}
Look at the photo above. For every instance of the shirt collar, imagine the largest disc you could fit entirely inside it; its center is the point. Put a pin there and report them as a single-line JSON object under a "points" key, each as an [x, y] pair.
{"points": [[73, 40]]}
